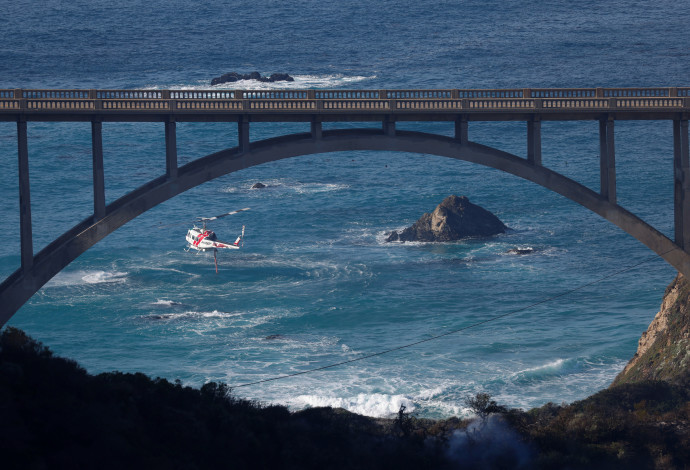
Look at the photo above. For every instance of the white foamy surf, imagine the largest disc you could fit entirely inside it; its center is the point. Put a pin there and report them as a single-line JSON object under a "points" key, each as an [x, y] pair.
{"points": [[301, 82], [377, 405], [81, 278]]}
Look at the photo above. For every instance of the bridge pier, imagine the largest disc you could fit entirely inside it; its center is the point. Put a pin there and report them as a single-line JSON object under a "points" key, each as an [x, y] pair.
{"points": [[389, 126], [462, 130], [681, 184], [607, 159], [316, 129], [171, 149], [534, 141], [243, 133], [25, 232], [98, 173]]}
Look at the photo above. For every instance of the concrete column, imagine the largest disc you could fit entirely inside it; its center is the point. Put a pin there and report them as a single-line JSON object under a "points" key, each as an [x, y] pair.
{"points": [[25, 233], [534, 141], [461, 130], [681, 185], [243, 133], [607, 160], [316, 129], [171, 149], [389, 126], [98, 173]]}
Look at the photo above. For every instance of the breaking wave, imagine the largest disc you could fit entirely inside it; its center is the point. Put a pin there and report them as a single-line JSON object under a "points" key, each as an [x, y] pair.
{"points": [[283, 186], [326, 81], [81, 278], [377, 405]]}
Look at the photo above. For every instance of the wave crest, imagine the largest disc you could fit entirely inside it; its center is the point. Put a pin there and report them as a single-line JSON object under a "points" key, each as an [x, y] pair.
{"points": [[81, 278], [377, 405], [324, 81]]}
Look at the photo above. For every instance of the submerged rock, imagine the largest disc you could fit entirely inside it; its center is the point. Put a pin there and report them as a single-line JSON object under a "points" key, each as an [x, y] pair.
{"points": [[454, 219], [520, 251], [234, 77]]}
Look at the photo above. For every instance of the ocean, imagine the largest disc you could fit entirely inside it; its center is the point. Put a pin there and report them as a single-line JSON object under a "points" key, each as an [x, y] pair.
{"points": [[315, 283]]}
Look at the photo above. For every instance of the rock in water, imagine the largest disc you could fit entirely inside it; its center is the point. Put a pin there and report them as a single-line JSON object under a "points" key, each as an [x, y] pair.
{"points": [[234, 77], [454, 219], [258, 186], [520, 251]]}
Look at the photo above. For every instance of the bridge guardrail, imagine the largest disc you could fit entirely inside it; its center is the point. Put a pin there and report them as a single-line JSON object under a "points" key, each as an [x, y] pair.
{"points": [[261, 101], [6, 104], [563, 93], [200, 94], [206, 104]]}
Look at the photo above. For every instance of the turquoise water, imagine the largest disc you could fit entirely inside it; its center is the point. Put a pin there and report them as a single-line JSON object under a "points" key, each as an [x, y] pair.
{"points": [[315, 274]]}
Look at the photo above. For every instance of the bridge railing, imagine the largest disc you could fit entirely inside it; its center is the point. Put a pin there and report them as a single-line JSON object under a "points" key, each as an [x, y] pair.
{"points": [[260, 101], [200, 94], [576, 103], [562, 93]]}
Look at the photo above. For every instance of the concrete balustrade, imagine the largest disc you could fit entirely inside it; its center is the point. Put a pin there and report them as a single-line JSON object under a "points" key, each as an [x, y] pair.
{"points": [[206, 105], [563, 93], [9, 104], [160, 105], [574, 103]]}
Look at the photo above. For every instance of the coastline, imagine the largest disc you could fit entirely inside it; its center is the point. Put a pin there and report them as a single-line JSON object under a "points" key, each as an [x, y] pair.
{"points": [[58, 416]]}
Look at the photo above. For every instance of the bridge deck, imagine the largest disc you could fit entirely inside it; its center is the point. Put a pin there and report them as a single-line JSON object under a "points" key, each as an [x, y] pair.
{"points": [[344, 105], [316, 106]]}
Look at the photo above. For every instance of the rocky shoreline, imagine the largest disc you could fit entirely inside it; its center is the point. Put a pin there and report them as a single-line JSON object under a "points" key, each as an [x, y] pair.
{"points": [[56, 415]]}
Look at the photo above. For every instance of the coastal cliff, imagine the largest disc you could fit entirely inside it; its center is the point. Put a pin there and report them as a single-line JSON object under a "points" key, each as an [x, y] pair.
{"points": [[663, 352]]}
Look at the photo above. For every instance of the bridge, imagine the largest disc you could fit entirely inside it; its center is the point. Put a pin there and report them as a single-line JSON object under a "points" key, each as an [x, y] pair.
{"points": [[315, 107]]}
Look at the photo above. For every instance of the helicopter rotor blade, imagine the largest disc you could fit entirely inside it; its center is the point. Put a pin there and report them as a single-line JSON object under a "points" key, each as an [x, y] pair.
{"points": [[206, 219], [200, 219], [177, 224]]}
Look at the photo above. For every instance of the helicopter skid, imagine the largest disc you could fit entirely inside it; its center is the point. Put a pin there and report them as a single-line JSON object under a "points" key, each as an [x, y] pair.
{"points": [[200, 248]]}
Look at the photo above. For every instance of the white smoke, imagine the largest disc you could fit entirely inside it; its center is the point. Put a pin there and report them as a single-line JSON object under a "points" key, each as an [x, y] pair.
{"points": [[489, 443]]}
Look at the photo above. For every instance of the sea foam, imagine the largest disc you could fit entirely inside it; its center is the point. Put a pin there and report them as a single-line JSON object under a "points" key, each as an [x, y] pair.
{"points": [[377, 405], [324, 81], [80, 278]]}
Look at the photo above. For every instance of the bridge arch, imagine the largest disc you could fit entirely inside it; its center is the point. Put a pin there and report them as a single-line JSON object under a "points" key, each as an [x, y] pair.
{"points": [[21, 285]]}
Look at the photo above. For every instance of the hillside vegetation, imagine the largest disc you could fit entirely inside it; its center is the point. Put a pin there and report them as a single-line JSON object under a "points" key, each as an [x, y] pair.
{"points": [[55, 415]]}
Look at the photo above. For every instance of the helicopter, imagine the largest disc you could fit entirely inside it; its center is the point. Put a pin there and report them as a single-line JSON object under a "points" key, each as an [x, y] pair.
{"points": [[203, 239]]}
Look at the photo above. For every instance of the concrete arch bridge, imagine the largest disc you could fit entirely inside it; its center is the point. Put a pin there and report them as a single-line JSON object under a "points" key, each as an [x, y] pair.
{"points": [[314, 107]]}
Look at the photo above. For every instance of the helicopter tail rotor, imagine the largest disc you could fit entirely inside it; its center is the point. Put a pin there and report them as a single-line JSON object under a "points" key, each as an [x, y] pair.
{"points": [[240, 238]]}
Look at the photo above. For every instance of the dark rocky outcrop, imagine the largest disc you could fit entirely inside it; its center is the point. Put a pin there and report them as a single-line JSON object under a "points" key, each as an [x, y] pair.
{"points": [[520, 251], [234, 77], [454, 219], [663, 351], [258, 186]]}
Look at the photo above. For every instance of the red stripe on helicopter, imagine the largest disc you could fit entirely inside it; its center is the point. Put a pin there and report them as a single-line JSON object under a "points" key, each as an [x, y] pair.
{"points": [[201, 237]]}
